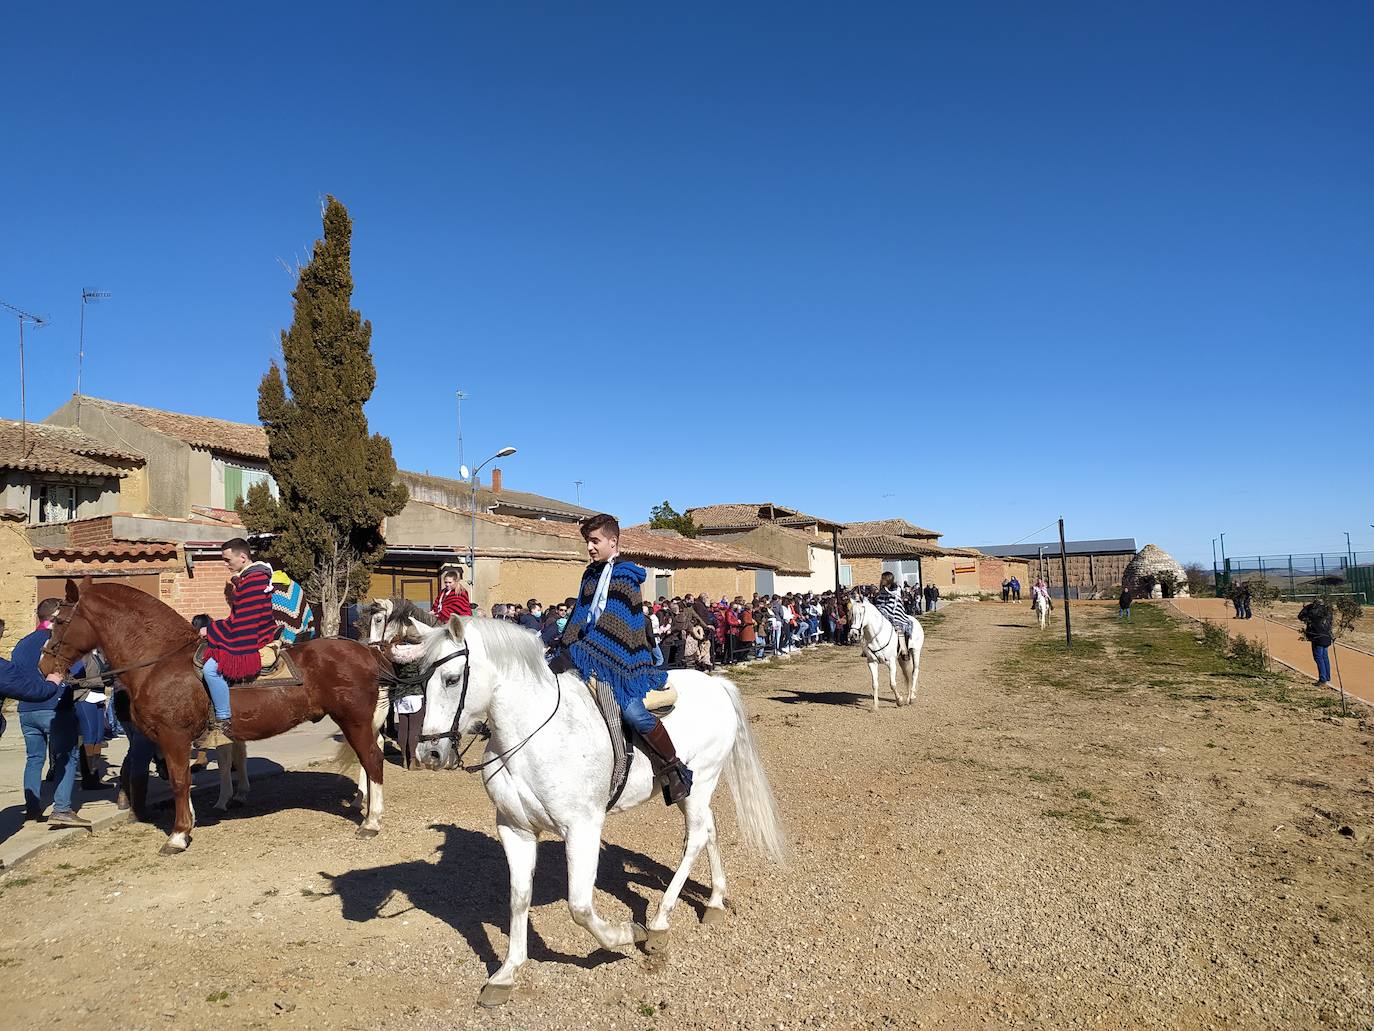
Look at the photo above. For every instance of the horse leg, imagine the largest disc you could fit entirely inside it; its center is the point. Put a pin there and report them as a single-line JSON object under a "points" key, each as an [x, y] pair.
{"points": [[363, 739], [179, 777], [714, 912], [224, 760], [892, 678], [873, 673], [241, 765], [698, 813], [915, 672], [583, 845], [522, 849]]}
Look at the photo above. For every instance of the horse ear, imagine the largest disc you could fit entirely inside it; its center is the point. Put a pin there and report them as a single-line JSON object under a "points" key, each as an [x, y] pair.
{"points": [[423, 630], [456, 628], [72, 593]]}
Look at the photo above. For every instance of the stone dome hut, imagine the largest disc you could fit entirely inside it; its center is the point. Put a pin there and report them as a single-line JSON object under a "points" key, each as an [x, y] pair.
{"points": [[1145, 573]]}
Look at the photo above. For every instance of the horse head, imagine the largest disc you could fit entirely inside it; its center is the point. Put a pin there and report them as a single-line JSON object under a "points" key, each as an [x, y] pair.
{"points": [[451, 704], [858, 618], [72, 634]]}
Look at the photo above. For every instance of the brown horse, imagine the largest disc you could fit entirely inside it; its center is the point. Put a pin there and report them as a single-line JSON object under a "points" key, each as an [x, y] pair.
{"points": [[152, 648]]}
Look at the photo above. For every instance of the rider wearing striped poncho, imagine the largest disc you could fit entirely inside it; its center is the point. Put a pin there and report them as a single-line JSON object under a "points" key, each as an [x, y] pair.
{"points": [[889, 603], [604, 639]]}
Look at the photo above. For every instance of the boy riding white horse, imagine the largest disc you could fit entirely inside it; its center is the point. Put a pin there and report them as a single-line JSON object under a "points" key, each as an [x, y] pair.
{"points": [[604, 641]]}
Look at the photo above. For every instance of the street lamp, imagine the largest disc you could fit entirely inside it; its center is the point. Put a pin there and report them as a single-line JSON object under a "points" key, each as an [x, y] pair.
{"points": [[505, 452]]}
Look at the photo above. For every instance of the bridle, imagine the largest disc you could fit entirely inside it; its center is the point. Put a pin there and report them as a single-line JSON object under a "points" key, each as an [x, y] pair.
{"points": [[53, 649], [453, 732], [863, 625]]}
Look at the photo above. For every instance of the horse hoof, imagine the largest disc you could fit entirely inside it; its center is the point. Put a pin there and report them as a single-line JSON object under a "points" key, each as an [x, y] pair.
{"points": [[169, 849], [710, 915], [368, 832], [493, 995], [655, 941]]}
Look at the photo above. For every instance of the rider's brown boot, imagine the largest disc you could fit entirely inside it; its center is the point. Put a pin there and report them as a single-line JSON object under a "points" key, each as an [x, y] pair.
{"points": [[677, 778]]}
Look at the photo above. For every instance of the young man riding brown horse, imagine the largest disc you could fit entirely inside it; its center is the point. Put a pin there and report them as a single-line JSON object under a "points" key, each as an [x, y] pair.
{"points": [[236, 643]]}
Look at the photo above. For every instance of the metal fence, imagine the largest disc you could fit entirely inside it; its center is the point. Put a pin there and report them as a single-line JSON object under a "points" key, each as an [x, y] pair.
{"points": [[1304, 576]]}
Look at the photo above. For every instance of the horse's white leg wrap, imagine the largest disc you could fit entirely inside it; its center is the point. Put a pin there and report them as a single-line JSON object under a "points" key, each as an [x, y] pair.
{"points": [[521, 850], [583, 844], [224, 759], [373, 821], [698, 815]]}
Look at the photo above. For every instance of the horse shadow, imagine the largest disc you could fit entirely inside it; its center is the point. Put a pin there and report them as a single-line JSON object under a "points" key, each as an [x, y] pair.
{"points": [[795, 697], [273, 790], [476, 862]]}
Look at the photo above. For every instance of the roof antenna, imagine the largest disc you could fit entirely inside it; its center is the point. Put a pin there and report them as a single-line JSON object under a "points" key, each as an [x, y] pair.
{"points": [[87, 297], [39, 322]]}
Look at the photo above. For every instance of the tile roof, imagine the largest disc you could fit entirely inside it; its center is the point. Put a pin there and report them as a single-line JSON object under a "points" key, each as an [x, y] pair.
{"points": [[892, 527], [876, 545], [435, 488], [747, 516], [247, 440], [58, 449], [128, 550], [639, 542], [1097, 547]]}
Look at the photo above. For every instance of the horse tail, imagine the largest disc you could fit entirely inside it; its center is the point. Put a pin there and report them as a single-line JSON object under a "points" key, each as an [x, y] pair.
{"points": [[756, 810], [345, 760]]}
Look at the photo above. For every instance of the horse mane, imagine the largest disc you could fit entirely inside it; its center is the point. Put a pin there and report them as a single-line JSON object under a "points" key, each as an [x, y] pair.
{"points": [[515, 651], [402, 609]]}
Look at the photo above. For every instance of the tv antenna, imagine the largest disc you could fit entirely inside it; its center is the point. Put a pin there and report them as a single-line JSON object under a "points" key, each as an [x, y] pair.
{"points": [[38, 322], [87, 297], [578, 485], [461, 396]]}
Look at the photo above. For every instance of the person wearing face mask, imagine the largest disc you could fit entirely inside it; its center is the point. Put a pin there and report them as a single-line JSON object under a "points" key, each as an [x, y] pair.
{"points": [[533, 616]]}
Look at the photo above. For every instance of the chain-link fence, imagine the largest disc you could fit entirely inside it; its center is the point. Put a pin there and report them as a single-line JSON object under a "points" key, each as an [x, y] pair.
{"points": [[1304, 576]]}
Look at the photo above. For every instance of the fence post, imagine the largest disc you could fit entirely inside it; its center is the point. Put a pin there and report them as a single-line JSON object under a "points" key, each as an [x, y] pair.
{"points": [[1292, 587]]}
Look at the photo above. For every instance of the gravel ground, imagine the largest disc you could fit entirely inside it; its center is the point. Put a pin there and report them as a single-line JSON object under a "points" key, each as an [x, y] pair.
{"points": [[1007, 853]]}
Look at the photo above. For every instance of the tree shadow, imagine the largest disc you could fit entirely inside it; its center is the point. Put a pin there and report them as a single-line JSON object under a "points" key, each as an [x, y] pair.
{"points": [[795, 697], [467, 889]]}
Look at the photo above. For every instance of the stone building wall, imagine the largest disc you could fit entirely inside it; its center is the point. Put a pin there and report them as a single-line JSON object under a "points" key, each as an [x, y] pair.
{"points": [[18, 581]]}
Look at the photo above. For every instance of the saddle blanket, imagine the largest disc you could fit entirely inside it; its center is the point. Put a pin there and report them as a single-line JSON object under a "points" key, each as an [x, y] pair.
{"points": [[660, 702], [278, 667]]}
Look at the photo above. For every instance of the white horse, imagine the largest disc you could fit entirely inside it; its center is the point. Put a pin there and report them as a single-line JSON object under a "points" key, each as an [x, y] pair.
{"points": [[548, 764], [881, 643], [232, 758], [1040, 602]]}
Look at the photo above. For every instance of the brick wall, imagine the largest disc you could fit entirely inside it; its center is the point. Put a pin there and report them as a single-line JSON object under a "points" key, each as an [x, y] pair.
{"points": [[715, 582], [866, 571], [202, 591], [86, 533]]}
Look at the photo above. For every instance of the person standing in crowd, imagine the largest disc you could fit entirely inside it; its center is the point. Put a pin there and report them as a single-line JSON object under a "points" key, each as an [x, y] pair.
{"points": [[1015, 588], [748, 636], [533, 616], [1246, 598], [89, 702], [1318, 621], [1125, 602], [294, 617], [651, 629], [48, 721], [453, 596], [25, 685], [1006, 590]]}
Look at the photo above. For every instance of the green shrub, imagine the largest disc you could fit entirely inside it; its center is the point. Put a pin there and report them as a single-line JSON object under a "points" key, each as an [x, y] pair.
{"points": [[1248, 654], [1214, 638]]}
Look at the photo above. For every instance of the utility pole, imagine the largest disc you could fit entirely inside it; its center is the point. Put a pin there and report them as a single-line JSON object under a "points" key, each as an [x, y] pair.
{"points": [[38, 322], [1349, 555], [835, 541], [578, 485], [461, 397], [1064, 572], [87, 297]]}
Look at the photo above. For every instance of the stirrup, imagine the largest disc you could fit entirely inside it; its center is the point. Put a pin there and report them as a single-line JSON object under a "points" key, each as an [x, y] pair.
{"points": [[677, 782]]}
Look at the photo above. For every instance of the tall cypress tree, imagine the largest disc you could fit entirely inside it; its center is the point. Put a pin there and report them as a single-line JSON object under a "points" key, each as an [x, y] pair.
{"points": [[335, 481]]}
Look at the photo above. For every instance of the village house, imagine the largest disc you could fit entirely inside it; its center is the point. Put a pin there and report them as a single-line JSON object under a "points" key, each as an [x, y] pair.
{"points": [[801, 547], [911, 553]]}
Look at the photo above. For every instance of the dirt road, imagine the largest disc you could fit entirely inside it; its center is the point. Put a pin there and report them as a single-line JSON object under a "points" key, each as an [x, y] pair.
{"points": [[1037, 843]]}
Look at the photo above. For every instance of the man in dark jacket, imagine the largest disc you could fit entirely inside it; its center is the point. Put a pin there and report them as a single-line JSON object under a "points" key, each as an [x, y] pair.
{"points": [[1125, 602], [47, 717], [1317, 619]]}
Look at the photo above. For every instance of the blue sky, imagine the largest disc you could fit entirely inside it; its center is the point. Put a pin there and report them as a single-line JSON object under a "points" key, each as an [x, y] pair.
{"points": [[977, 267]]}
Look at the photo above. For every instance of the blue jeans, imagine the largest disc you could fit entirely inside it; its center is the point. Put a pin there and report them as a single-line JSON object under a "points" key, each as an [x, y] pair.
{"points": [[658, 656], [1126, 613], [49, 731], [219, 689], [638, 717], [1323, 663]]}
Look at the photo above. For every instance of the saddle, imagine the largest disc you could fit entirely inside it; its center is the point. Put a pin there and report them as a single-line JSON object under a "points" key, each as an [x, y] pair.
{"points": [[278, 667], [658, 702]]}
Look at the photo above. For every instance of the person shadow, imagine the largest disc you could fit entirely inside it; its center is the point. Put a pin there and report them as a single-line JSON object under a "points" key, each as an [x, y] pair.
{"points": [[477, 862], [843, 698]]}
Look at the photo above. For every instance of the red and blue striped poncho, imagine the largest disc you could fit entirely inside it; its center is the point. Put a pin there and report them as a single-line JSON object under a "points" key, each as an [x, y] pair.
{"points": [[236, 641]]}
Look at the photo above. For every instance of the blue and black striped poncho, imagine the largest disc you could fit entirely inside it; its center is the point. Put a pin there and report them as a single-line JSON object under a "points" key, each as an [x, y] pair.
{"points": [[615, 651]]}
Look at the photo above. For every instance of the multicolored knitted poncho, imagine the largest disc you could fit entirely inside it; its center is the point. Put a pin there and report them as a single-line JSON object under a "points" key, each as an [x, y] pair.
{"points": [[614, 651], [236, 641], [291, 612]]}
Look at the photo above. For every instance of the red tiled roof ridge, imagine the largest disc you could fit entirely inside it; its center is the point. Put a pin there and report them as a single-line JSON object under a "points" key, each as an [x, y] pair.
{"points": [[247, 440]]}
